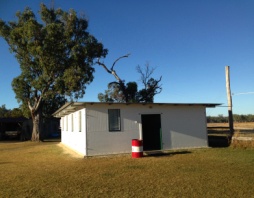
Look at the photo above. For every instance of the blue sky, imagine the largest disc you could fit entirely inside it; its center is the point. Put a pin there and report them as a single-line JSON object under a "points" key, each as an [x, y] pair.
{"points": [[189, 43]]}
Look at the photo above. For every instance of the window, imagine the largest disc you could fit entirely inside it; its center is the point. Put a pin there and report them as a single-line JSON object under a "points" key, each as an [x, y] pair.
{"points": [[72, 123], [66, 123], [80, 121], [114, 120]]}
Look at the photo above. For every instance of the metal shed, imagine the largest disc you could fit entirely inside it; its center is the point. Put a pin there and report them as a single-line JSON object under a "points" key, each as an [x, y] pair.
{"points": [[94, 128]]}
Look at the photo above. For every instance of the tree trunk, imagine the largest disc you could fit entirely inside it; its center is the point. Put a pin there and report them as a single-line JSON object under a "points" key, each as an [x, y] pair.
{"points": [[37, 123]]}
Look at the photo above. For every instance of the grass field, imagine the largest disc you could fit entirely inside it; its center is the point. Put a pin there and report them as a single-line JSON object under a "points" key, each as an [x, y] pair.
{"points": [[45, 170], [249, 125]]}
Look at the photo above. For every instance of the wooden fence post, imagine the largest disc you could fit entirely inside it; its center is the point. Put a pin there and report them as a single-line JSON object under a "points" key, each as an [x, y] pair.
{"points": [[229, 97]]}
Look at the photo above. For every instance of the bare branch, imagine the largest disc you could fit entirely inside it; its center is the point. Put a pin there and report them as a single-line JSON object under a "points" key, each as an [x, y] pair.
{"points": [[145, 73], [103, 65], [112, 71], [116, 76], [125, 56], [157, 86], [121, 83]]}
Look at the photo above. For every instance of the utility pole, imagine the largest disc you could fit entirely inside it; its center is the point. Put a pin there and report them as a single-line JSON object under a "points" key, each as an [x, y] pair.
{"points": [[229, 97]]}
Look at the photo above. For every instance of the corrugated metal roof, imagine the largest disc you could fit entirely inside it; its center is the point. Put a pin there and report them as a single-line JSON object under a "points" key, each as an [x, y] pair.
{"points": [[71, 107]]}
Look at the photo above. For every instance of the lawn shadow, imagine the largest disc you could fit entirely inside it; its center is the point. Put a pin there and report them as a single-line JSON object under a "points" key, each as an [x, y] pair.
{"points": [[9, 141], [164, 153], [52, 140], [20, 141]]}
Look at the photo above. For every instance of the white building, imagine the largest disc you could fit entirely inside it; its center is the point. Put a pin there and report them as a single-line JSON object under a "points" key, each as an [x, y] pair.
{"points": [[92, 128]]}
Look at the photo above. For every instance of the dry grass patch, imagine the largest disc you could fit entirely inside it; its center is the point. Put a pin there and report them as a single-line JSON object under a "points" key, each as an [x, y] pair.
{"points": [[218, 133], [236, 124], [43, 170], [242, 140]]}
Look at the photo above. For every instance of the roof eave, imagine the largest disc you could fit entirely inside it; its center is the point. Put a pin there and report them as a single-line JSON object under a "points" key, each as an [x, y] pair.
{"points": [[71, 107]]}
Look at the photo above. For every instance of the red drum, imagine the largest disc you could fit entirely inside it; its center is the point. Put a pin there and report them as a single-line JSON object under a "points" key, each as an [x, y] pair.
{"points": [[137, 148]]}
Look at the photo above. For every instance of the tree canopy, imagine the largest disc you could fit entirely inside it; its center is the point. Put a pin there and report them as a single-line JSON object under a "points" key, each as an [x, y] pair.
{"points": [[56, 54]]}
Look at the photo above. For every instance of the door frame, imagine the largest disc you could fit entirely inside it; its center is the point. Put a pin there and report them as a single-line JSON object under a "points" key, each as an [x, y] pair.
{"points": [[151, 137]]}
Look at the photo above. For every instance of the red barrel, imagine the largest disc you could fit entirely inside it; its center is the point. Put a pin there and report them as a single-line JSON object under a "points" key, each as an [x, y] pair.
{"points": [[137, 148]]}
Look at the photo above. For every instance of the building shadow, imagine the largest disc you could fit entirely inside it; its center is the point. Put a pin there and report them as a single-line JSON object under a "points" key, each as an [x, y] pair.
{"points": [[52, 140], [164, 153]]}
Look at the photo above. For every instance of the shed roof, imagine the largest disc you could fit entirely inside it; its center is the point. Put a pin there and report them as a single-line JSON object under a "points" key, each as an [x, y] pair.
{"points": [[71, 107]]}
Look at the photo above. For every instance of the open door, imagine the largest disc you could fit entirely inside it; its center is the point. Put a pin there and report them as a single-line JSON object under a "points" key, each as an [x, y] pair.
{"points": [[151, 129]]}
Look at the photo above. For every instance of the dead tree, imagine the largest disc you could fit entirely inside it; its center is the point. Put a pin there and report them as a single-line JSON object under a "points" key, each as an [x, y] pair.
{"points": [[151, 85], [120, 82]]}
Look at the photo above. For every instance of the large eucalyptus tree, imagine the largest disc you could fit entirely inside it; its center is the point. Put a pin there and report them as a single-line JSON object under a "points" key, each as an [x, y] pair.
{"points": [[56, 54]]}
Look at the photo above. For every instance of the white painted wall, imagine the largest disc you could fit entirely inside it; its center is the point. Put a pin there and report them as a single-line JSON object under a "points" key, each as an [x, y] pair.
{"points": [[183, 126], [99, 140], [72, 136]]}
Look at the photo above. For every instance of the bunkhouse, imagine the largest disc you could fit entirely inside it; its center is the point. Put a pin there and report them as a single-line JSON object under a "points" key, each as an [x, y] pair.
{"points": [[95, 128]]}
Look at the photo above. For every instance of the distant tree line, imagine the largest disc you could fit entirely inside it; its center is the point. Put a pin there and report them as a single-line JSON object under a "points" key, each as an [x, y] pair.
{"points": [[237, 118], [10, 113]]}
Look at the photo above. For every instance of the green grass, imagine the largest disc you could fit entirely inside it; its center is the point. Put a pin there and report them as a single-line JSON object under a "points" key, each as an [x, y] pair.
{"points": [[43, 170]]}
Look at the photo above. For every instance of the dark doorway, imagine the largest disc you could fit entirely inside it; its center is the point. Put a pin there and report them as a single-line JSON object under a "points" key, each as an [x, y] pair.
{"points": [[151, 128]]}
